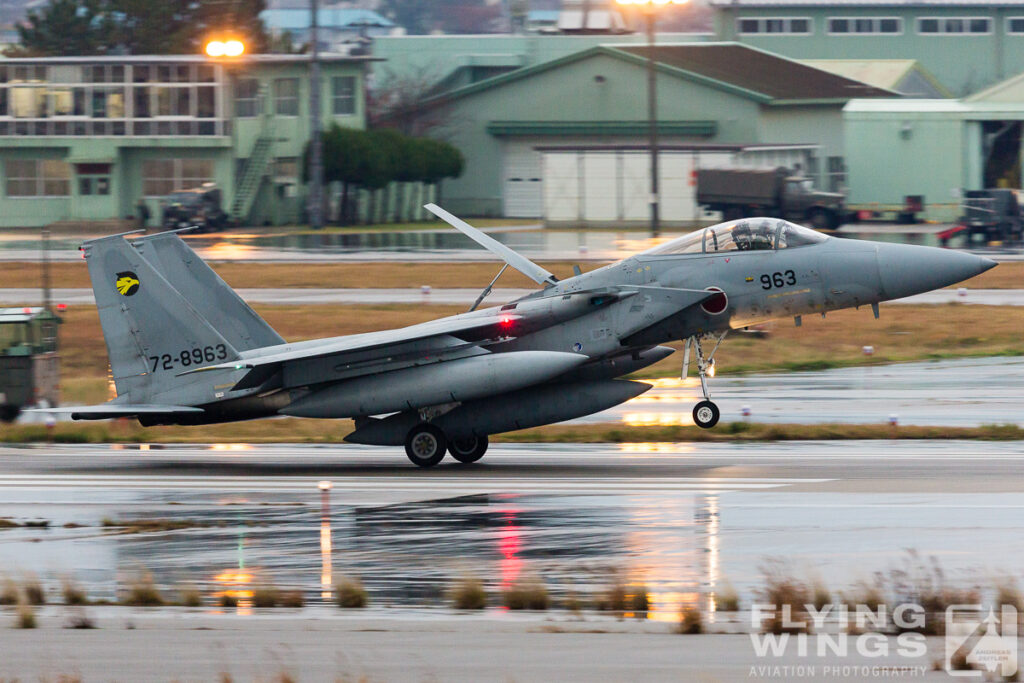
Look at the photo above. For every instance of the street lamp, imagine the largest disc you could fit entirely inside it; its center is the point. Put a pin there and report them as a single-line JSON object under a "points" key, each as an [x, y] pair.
{"points": [[225, 48], [650, 9]]}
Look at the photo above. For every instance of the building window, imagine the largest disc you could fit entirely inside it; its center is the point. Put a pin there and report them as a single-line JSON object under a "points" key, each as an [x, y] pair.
{"points": [[286, 168], [774, 26], [343, 95], [286, 96], [37, 178], [160, 177], [954, 26], [247, 98], [836, 178], [93, 179], [872, 26], [1015, 26]]}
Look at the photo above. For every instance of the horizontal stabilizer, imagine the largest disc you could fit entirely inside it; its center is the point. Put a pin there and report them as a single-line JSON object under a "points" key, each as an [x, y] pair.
{"points": [[106, 411], [517, 261]]}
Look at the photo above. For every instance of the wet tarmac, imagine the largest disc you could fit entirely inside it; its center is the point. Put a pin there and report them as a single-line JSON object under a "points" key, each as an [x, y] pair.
{"points": [[680, 520], [958, 393], [440, 244]]}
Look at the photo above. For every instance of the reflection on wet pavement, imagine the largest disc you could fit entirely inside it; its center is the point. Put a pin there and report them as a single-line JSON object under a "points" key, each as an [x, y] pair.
{"points": [[677, 541]]}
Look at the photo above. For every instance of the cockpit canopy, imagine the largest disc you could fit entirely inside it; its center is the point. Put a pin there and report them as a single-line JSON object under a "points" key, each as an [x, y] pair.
{"points": [[745, 234]]}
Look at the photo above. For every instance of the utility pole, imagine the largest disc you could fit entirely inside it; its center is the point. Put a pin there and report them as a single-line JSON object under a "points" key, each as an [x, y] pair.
{"points": [[316, 165], [45, 234], [652, 123]]}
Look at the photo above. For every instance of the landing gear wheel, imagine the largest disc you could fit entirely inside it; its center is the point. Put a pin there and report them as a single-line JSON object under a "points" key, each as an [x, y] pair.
{"points": [[425, 445], [468, 450], [706, 414]]}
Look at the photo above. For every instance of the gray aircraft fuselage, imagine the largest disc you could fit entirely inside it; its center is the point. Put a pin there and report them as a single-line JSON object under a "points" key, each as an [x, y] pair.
{"points": [[185, 349]]}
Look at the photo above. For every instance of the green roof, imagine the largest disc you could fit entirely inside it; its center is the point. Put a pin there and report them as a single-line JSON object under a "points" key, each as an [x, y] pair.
{"points": [[732, 67]]}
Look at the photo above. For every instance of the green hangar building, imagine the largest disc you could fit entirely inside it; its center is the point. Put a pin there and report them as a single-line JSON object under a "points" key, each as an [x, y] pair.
{"points": [[935, 148], [762, 108], [85, 139], [967, 44]]}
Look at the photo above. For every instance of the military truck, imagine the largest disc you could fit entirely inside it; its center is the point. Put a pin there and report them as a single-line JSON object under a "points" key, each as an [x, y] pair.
{"points": [[198, 207], [29, 365], [779, 192]]}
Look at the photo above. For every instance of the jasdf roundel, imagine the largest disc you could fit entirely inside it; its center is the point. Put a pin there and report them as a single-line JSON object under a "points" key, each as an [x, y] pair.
{"points": [[127, 283]]}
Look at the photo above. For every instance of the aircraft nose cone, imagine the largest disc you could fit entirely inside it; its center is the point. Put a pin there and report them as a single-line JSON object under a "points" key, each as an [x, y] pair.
{"points": [[908, 269]]}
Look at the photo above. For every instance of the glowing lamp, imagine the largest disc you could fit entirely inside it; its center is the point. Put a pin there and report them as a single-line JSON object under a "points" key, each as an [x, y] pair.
{"points": [[225, 48]]}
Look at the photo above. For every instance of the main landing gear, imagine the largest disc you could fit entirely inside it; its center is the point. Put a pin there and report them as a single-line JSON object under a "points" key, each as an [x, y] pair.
{"points": [[705, 413], [426, 444]]}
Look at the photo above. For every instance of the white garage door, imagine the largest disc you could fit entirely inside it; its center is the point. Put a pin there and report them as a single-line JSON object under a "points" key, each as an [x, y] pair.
{"points": [[522, 180]]}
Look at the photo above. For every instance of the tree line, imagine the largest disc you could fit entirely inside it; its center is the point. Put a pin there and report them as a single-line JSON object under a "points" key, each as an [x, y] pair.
{"points": [[137, 27], [375, 159]]}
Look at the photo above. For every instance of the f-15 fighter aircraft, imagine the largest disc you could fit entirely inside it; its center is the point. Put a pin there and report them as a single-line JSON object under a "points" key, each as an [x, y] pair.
{"points": [[185, 349]]}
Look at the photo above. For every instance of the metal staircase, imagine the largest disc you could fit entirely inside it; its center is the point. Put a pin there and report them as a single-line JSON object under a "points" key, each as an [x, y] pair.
{"points": [[254, 171]]}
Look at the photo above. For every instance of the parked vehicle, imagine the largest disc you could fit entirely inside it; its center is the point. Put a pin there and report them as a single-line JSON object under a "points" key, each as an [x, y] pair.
{"points": [[992, 216], [742, 192], [29, 365], [199, 207]]}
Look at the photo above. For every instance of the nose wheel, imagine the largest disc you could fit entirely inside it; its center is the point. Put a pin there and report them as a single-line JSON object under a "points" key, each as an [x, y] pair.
{"points": [[705, 413]]}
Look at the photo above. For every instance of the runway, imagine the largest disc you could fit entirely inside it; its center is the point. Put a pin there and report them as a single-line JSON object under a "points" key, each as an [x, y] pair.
{"points": [[965, 392], [81, 296], [679, 520], [571, 512]]}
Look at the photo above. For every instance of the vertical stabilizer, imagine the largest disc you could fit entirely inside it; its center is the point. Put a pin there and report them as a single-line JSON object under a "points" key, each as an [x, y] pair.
{"points": [[212, 298], [151, 330]]}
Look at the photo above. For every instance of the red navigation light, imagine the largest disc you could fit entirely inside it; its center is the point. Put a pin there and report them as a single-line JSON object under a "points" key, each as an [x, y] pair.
{"points": [[506, 322], [26, 310], [61, 308]]}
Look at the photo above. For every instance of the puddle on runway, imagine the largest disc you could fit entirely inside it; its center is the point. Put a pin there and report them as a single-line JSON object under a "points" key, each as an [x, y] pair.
{"points": [[681, 547]]}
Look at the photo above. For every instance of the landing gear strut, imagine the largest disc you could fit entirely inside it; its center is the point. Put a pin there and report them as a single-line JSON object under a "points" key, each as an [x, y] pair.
{"points": [[705, 413]]}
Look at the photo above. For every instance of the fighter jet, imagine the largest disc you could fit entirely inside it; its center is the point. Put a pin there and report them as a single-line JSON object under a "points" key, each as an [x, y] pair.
{"points": [[185, 349]]}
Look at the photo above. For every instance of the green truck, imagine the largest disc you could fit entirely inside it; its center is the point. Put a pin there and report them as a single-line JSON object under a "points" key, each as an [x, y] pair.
{"points": [[29, 364]]}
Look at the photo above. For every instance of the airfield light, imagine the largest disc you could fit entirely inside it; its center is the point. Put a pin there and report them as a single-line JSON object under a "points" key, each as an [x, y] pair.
{"points": [[324, 486]]}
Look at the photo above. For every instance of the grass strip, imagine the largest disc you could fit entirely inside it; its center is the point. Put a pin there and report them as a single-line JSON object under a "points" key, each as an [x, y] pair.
{"points": [[295, 430]]}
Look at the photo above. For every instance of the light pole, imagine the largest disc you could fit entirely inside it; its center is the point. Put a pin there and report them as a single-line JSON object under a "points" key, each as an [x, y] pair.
{"points": [[650, 9], [316, 164]]}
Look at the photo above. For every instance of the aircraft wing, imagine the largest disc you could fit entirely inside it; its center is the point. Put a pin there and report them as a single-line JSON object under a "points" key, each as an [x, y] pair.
{"points": [[112, 409], [517, 261], [430, 338]]}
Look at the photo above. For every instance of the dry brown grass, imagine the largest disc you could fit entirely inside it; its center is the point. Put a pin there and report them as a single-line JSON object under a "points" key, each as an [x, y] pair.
{"points": [[788, 596], [189, 596], [73, 592], [32, 589], [727, 599], [142, 591], [25, 616], [527, 594], [468, 594], [343, 275], [690, 621], [350, 593]]}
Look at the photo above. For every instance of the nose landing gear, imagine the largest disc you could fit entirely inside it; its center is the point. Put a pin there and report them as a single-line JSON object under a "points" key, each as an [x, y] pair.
{"points": [[705, 413]]}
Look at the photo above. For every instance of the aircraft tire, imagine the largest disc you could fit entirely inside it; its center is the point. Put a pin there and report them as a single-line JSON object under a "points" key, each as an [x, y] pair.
{"points": [[425, 445], [469, 450], [706, 414]]}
